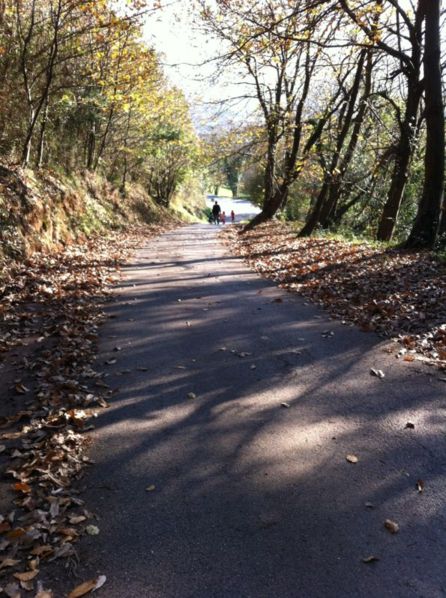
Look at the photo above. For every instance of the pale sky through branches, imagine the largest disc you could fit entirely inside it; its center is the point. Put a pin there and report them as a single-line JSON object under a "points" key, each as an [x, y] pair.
{"points": [[184, 49]]}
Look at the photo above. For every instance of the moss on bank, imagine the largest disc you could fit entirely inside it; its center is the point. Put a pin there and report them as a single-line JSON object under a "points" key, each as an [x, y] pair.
{"points": [[43, 211]]}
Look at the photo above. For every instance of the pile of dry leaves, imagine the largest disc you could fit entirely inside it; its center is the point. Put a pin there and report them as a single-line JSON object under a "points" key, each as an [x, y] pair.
{"points": [[393, 292], [50, 310]]}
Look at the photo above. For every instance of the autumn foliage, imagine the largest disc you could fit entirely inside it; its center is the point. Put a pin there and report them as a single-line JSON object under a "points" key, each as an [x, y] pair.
{"points": [[396, 293]]}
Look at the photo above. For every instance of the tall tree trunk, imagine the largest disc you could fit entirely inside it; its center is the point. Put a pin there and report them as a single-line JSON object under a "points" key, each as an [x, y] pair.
{"points": [[104, 138], [44, 98], [91, 145], [427, 222], [276, 195], [321, 210], [408, 128], [26, 150], [335, 174], [43, 124], [126, 161], [271, 203], [314, 216], [336, 183], [395, 195]]}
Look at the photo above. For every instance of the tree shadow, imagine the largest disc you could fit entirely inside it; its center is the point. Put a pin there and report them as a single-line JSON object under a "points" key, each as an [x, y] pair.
{"points": [[390, 291], [253, 495]]}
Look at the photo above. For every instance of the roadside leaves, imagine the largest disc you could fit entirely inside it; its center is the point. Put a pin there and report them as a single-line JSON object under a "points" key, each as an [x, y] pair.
{"points": [[53, 305], [393, 292], [88, 586], [27, 575]]}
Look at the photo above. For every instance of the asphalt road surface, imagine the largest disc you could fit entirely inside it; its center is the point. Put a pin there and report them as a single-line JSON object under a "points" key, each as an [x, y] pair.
{"points": [[245, 490]]}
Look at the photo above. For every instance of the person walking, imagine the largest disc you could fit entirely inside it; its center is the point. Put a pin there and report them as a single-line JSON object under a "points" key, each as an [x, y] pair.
{"points": [[232, 216], [216, 212], [223, 217]]}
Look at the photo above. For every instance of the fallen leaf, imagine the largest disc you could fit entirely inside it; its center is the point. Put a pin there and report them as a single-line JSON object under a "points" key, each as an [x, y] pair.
{"points": [[377, 373], [369, 505], [101, 384], [352, 458], [9, 563], [286, 405], [100, 582], [151, 488], [21, 389], [370, 559], [12, 590], [327, 334], [41, 593], [88, 586], [420, 486], [391, 526], [22, 487], [410, 425], [75, 519], [42, 550], [18, 532], [191, 395], [26, 575], [92, 530], [4, 526]]}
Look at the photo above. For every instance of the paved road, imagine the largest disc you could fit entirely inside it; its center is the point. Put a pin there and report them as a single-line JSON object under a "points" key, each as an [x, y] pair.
{"points": [[251, 498]]}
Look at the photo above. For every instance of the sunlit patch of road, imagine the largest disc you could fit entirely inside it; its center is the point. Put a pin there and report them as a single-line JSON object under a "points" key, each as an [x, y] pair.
{"points": [[243, 208]]}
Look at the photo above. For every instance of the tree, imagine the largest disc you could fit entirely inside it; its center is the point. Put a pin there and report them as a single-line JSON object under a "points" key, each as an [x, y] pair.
{"points": [[427, 222], [260, 39], [405, 46], [349, 121]]}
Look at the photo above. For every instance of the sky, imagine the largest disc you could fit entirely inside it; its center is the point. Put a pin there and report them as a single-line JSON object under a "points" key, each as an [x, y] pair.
{"points": [[184, 49]]}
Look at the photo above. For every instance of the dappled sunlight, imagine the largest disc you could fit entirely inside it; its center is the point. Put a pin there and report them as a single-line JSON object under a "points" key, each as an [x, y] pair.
{"points": [[256, 462]]}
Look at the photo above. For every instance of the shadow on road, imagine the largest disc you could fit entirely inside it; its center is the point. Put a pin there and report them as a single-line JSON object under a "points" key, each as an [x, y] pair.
{"points": [[253, 498]]}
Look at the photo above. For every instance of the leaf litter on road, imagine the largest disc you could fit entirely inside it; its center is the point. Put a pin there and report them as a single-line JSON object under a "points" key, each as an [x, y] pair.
{"points": [[377, 373], [52, 304], [88, 586], [370, 559], [391, 526], [394, 292]]}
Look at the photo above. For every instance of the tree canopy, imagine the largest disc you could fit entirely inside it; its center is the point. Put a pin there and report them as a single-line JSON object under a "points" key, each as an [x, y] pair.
{"points": [[349, 93]]}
